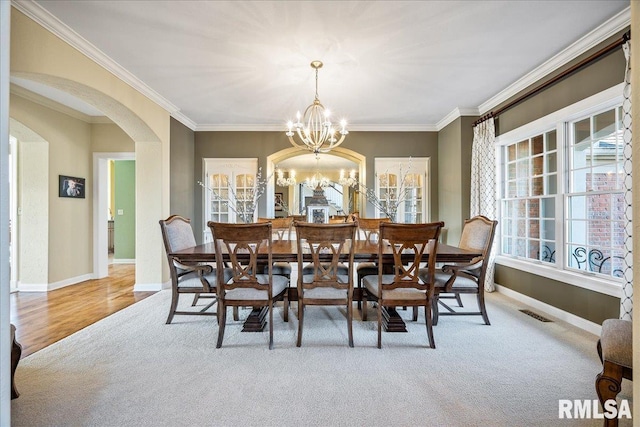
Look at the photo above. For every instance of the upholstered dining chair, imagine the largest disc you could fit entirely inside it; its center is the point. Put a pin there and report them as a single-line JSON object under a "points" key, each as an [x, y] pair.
{"points": [[242, 244], [368, 231], [196, 279], [455, 279], [406, 286], [323, 280]]}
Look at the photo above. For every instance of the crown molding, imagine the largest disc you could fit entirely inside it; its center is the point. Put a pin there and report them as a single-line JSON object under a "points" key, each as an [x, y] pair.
{"points": [[56, 106], [454, 114], [282, 128], [179, 116], [609, 28], [65, 33]]}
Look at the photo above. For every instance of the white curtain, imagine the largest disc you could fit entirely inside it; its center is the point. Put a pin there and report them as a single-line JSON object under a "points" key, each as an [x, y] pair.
{"points": [[483, 182], [626, 302]]}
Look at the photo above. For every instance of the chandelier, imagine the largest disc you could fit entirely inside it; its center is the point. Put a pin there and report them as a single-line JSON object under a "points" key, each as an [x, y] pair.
{"points": [[317, 180], [314, 129], [348, 181], [286, 182]]}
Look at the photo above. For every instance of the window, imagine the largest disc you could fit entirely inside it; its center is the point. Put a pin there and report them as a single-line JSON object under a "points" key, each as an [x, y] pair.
{"points": [[562, 196], [406, 175]]}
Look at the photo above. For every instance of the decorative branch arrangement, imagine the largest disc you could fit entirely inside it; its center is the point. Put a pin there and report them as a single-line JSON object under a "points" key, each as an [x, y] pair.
{"points": [[283, 205], [392, 198], [245, 204]]}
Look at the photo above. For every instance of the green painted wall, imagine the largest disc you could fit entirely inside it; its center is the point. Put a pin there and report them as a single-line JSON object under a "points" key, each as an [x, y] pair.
{"points": [[124, 237], [182, 181], [607, 72], [262, 144]]}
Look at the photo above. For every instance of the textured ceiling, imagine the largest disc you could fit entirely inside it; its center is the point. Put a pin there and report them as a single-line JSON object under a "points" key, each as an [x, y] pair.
{"points": [[387, 63]]}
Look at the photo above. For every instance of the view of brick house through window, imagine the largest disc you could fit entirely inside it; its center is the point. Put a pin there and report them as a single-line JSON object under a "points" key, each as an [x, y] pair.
{"points": [[592, 232]]}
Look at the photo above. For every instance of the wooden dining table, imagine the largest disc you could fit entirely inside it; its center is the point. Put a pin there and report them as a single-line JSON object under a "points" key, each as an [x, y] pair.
{"points": [[287, 250]]}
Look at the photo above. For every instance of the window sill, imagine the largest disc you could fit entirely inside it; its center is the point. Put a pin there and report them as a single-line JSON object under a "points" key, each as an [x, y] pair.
{"points": [[581, 280]]}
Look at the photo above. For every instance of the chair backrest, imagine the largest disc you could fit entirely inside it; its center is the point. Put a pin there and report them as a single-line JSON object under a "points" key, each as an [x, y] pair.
{"points": [[369, 228], [281, 227], [408, 243], [326, 244], [241, 244], [177, 233], [477, 234]]}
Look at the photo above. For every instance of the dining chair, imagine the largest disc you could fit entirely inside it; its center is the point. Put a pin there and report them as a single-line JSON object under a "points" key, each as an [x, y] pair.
{"points": [[451, 280], [281, 229], [368, 231], [240, 246], [323, 281], [197, 279], [406, 286]]}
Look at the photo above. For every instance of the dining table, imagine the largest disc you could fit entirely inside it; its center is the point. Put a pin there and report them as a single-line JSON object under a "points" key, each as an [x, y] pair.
{"points": [[287, 251]]}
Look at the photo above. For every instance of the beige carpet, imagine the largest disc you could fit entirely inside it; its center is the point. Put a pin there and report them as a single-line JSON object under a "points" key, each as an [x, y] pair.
{"points": [[131, 369]]}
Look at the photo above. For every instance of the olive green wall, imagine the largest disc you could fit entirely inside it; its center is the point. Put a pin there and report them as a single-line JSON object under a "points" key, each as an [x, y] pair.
{"points": [[262, 144], [454, 156], [182, 181], [601, 75], [124, 226]]}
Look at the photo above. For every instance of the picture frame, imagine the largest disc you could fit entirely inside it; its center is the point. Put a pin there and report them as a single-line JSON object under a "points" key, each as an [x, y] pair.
{"points": [[278, 202], [71, 187]]}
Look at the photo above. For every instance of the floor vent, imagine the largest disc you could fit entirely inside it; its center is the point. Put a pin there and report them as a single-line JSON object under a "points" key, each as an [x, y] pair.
{"points": [[536, 316]]}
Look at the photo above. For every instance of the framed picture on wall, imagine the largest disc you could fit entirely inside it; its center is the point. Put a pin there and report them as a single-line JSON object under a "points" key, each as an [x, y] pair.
{"points": [[279, 201], [70, 186]]}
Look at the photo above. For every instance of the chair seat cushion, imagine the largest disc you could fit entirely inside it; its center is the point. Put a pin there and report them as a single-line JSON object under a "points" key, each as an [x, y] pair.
{"points": [[616, 342], [325, 293], [279, 285], [281, 267], [342, 269], [409, 294], [367, 268]]}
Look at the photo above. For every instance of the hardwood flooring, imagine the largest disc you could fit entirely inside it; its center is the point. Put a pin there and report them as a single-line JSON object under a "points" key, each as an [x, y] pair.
{"points": [[42, 318]]}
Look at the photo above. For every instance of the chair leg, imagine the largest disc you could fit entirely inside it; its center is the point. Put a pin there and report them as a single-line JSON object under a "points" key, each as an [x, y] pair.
{"points": [[174, 305], [436, 310], [236, 315], [271, 325], [361, 293], [608, 385], [285, 305], [429, 322], [222, 320], [350, 323], [483, 309], [195, 300], [415, 313], [364, 307], [300, 321], [459, 300], [379, 325]]}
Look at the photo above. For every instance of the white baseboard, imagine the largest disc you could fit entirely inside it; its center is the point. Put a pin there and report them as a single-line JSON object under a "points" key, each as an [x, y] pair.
{"points": [[572, 319], [45, 287], [147, 287], [123, 261]]}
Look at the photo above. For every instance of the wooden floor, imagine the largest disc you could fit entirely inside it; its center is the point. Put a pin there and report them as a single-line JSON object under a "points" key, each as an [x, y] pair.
{"points": [[42, 318]]}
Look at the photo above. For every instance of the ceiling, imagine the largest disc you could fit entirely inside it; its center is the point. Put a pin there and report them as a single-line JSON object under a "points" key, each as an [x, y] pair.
{"points": [[388, 65]]}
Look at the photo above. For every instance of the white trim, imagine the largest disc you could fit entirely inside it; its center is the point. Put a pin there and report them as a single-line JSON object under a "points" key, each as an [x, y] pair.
{"points": [[123, 261], [582, 280], [606, 98], [601, 33], [148, 287], [570, 318], [43, 17], [282, 128], [454, 114], [45, 287], [32, 287]]}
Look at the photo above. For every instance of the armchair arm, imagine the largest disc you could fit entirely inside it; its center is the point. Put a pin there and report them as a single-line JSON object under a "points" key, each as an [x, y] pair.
{"points": [[200, 269], [470, 269]]}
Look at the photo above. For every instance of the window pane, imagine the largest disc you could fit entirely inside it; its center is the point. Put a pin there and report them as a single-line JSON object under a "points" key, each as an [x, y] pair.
{"points": [[579, 180], [577, 257], [547, 208], [534, 228], [511, 171], [507, 246], [578, 232], [582, 131], [523, 168], [617, 235], [578, 207], [534, 249], [581, 155], [521, 230], [551, 160], [618, 206], [511, 152], [599, 234], [537, 145], [534, 208], [552, 184], [523, 187], [599, 206], [538, 165], [521, 208], [548, 252], [603, 177], [548, 230], [523, 149], [604, 124], [521, 247], [513, 190], [551, 140], [537, 186]]}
